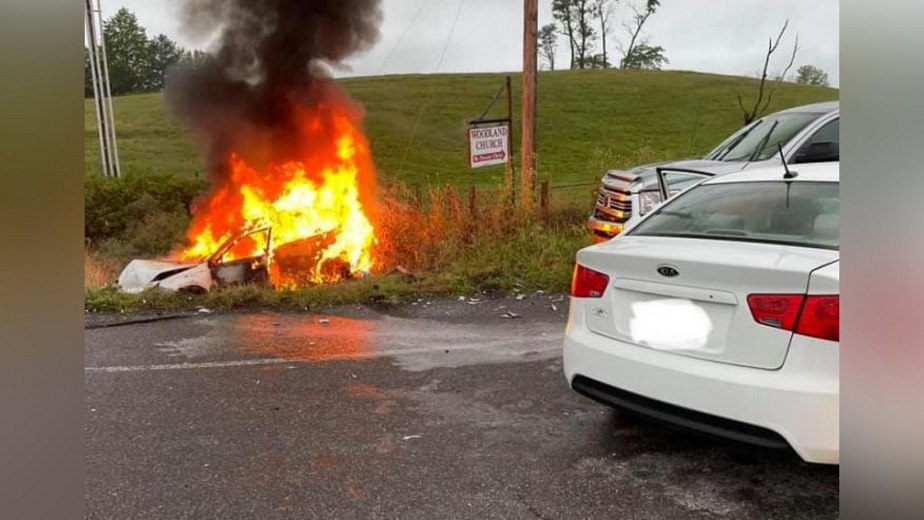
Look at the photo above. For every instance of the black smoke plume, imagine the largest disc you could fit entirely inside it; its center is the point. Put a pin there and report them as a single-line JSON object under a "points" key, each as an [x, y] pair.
{"points": [[271, 62]]}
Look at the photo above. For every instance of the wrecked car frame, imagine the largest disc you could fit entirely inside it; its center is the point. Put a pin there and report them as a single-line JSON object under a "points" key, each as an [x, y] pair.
{"points": [[220, 269]]}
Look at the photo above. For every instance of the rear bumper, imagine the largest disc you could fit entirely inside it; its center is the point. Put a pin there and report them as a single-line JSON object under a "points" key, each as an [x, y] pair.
{"points": [[604, 230], [797, 404]]}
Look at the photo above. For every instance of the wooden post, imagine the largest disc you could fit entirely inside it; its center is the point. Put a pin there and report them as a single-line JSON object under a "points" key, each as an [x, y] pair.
{"points": [[544, 199], [528, 147], [418, 197], [471, 223], [509, 180]]}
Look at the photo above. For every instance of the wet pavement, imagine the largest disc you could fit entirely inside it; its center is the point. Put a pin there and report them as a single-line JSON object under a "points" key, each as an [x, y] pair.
{"points": [[447, 409]]}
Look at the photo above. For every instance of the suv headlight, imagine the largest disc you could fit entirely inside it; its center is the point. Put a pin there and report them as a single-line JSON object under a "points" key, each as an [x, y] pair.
{"points": [[647, 201]]}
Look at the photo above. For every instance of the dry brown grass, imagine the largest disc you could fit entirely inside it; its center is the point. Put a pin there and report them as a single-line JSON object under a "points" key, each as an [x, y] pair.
{"points": [[429, 234], [98, 270], [434, 234]]}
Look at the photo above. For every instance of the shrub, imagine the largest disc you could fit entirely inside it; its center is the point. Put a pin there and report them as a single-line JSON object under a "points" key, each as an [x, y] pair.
{"points": [[138, 216]]}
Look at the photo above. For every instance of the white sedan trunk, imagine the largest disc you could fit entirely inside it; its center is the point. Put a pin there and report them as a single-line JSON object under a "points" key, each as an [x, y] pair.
{"points": [[702, 311]]}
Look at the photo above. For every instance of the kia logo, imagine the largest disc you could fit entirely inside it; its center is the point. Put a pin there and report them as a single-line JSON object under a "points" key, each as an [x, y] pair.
{"points": [[666, 270]]}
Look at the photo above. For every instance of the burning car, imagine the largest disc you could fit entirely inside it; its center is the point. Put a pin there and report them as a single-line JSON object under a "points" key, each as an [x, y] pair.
{"points": [[284, 149], [249, 258], [226, 266]]}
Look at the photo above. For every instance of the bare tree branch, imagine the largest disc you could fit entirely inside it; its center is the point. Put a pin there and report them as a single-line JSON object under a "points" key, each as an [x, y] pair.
{"points": [[792, 59], [741, 104], [634, 30], [772, 46]]}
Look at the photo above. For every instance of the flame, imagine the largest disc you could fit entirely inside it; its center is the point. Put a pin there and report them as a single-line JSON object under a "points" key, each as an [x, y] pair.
{"points": [[315, 204]]}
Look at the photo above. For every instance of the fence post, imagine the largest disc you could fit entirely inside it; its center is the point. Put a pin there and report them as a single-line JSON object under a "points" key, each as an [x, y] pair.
{"points": [[472, 214], [544, 199], [418, 198]]}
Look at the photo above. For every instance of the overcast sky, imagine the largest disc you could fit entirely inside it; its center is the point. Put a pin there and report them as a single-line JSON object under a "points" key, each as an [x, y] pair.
{"points": [[721, 36]]}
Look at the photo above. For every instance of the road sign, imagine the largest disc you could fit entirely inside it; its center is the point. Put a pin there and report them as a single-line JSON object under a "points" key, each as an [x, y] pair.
{"points": [[489, 145]]}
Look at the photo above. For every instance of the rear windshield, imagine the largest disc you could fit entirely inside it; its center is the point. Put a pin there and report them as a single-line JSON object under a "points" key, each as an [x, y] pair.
{"points": [[759, 141], [775, 212]]}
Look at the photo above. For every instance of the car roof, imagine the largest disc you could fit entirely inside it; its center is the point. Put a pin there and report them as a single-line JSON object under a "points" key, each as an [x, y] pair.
{"points": [[825, 107], [815, 172]]}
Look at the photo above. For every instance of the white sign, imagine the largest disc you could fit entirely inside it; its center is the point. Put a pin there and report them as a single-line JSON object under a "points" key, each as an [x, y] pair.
{"points": [[487, 145]]}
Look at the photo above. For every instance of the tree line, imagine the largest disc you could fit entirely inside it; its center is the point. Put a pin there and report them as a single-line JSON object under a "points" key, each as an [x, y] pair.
{"points": [[137, 63], [587, 26]]}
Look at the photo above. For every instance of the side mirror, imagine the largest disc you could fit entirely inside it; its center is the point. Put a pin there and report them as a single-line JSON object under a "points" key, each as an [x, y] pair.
{"points": [[819, 152]]}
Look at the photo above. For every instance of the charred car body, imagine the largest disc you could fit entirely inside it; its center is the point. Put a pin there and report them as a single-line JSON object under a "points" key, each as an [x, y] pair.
{"points": [[806, 134], [223, 267], [250, 257]]}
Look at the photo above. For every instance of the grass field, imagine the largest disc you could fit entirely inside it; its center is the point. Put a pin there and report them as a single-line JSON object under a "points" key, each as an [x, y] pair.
{"points": [[588, 121]]}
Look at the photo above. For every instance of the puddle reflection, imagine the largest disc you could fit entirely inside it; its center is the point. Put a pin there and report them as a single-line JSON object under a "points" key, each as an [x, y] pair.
{"points": [[307, 338]]}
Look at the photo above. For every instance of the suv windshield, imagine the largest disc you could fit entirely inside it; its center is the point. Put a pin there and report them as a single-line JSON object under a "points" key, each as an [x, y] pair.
{"points": [[759, 141], [775, 212]]}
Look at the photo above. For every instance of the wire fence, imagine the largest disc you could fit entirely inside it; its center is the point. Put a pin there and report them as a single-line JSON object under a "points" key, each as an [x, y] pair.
{"points": [[553, 200]]}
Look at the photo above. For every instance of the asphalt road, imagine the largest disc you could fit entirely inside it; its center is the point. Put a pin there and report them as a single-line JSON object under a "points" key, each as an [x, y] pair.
{"points": [[436, 410]]}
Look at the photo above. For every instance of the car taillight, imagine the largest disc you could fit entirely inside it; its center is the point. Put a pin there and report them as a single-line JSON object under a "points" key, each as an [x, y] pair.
{"points": [[815, 316], [776, 310], [587, 283], [821, 318]]}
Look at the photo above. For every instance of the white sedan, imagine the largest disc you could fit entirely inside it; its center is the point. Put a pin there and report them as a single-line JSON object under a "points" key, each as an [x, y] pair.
{"points": [[719, 312]]}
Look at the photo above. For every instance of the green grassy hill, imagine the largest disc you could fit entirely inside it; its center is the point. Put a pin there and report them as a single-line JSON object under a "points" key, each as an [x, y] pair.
{"points": [[588, 121]]}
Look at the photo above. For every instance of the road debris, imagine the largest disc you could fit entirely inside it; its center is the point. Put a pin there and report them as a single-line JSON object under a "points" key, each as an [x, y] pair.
{"points": [[324, 321], [409, 437], [510, 315]]}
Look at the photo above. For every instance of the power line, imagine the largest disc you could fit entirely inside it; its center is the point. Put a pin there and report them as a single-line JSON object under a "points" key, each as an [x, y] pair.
{"points": [[403, 34], [451, 31], [423, 106]]}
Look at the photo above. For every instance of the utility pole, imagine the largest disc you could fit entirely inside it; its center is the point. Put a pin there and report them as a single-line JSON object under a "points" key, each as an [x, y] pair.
{"points": [[528, 147], [102, 95]]}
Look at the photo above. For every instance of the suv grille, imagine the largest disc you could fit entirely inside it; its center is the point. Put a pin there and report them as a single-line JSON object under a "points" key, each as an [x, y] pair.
{"points": [[614, 204]]}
